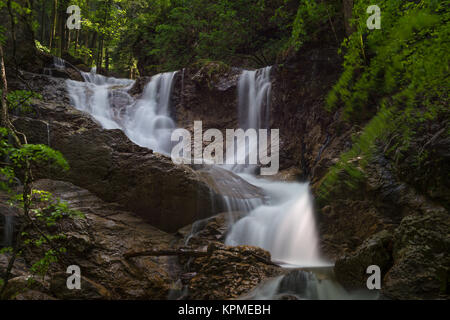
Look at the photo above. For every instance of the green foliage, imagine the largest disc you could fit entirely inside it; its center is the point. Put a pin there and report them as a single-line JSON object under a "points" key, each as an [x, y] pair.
{"points": [[406, 58], [350, 169], [45, 210], [54, 210], [170, 35], [21, 100], [18, 157], [48, 211], [397, 76], [311, 14], [41, 47]]}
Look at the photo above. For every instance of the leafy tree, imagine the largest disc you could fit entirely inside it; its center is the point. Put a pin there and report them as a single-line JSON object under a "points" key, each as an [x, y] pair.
{"points": [[38, 209]]}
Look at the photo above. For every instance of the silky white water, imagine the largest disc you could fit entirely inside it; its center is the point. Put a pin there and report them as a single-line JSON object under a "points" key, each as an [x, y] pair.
{"points": [[254, 89], [310, 285], [8, 230], [146, 120], [149, 123], [285, 225]]}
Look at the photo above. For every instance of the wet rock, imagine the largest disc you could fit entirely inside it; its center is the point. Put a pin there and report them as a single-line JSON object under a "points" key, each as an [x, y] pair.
{"points": [[107, 163], [229, 272], [351, 269], [377, 203], [139, 85], [310, 136], [203, 232], [421, 267], [213, 101], [33, 295], [90, 290], [19, 287], [169, 196], [96, 244]]}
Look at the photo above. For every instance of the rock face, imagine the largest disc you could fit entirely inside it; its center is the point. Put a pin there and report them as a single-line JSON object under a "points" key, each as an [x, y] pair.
{"points": [[413, 261], [229, 272], [198, 96], [421, 258], [96, 244], [350, 270], [311, 138], [105, 162], [108, 164]]}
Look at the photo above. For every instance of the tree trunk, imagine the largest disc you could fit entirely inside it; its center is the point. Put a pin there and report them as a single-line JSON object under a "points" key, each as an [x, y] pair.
{"points": [[43, 22], [76, 39], [106, 58], [55, 22], [348, 8], [4, 113], [69, 34], [62, 28]]}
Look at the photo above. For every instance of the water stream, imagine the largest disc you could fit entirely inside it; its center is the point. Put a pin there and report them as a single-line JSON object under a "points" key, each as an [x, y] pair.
{"points": [[8, 230], [284, 224]]}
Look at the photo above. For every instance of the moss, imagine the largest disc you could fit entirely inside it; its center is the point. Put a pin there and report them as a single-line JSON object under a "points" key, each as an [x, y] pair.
{"points": [[394, 81]]}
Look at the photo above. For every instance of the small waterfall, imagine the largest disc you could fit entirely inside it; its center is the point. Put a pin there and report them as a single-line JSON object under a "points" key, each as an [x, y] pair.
{"points": [[254, 88], [149, 123], [284, 225], [146, 121], [8, 230], [48, 133], [307, 285], [59, 63]]}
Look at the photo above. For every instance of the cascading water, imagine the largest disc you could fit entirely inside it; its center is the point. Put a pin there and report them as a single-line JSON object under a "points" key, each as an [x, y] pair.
{"points": [[8, 230], [301, 285], [146, 121], [254, 98], [149, 123], [254, 89], [59, 63], [284, 225]]}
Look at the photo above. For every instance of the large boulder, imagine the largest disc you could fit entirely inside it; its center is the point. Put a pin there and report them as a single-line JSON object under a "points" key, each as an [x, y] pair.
{"points": [[96, 243], [413, 260], [107, 163], [229, 272], [421, 267], [351, 269]]}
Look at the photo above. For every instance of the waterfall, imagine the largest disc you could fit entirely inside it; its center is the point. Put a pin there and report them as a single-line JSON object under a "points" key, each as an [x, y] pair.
{"points": [[8, 230], [285, 225], [312, 285], [254, 98], [146, 120], [254, 89], [281, 221], [149, 123], [59, 63]]}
